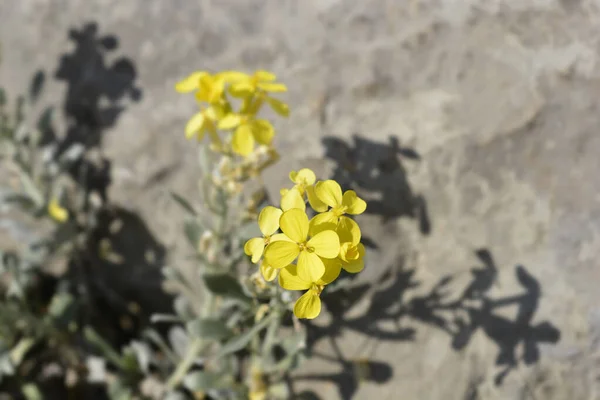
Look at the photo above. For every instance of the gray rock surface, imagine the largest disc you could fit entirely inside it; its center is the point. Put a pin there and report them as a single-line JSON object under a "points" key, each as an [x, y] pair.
{"points": [[498, 98]]}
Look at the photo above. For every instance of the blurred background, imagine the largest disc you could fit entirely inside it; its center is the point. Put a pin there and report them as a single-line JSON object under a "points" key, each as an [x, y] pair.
{"points": [[469, 126]]}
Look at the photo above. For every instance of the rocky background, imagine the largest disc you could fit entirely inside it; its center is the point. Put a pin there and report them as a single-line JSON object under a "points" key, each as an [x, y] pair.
{"points": [[470, 125]]}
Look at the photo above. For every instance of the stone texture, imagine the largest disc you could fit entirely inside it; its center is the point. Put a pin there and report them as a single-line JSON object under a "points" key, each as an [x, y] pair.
{"points": [[497, 98]]}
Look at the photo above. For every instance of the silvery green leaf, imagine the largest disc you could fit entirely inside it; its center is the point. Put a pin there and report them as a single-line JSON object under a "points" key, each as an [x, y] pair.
{"points": [[240, 341], [205, 380], [6, 365], [143, 354], [175, 396], [182, 308], [25, 202], [31, 392], [31, 190], [179, 340], [96, 367], [157, 340], [118, 391], [157, 318], [36, 86], [44, 123], [72, 154], [60, 304], [18, 352], [105, 348], [184, 204], [193, 232], [279, 391], [209, 329], [225, 285]]}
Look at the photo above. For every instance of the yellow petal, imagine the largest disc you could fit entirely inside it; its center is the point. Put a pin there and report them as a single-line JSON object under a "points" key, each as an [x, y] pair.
{"points": [[232, 76], [348, 230], [190, 83], [281, 253], [325, 244], [241, 89], [308, 305], [242, 141], [357, 265], [283, 191], [254, 248], [310, 266], [326, 221], [292, 199], [56, 212], [268, 220], [263, 131], [279, 106], [279, 237], [272, 87], [329, 192], [268, 272], [289, 279], [294, 223], [348, 252], [354, 204], [230, 121], [303, 177], [264, 76], [194, 125], [314, 201], [333, 268]]}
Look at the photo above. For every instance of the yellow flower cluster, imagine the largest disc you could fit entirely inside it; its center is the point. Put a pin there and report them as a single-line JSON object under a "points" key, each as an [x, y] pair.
{"points": [[309, 254], [214, 93]]}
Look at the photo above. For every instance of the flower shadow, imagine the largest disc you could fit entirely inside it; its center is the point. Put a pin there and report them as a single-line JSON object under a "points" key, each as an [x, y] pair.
{"points": [[376, 171], [471, 311], [394, 310]]}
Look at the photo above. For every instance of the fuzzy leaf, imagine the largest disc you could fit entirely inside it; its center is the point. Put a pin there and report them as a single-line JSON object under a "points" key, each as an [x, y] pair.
{"points": [[240, 341], [225, 285], [204, 380], [209, 328], [184, 204], [193, 232], [156, 318]]}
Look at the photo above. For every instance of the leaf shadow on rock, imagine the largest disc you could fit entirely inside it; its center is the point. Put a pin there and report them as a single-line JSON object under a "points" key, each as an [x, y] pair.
{"points": [[376, 170], [460, 315], [393, 313], [116, 275]]}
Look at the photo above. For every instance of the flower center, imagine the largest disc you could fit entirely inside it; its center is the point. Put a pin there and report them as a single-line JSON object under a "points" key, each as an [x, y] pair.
{"points": [[339, 210], [267, 240], [305, 247], [318, 289]]}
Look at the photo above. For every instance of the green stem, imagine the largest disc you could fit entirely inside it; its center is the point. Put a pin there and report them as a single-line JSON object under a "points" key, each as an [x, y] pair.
{"points": [[192, 352]]}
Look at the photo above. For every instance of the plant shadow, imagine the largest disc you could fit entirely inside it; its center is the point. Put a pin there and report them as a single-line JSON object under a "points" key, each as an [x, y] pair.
{"points": [[391, 314], [116, 277]]}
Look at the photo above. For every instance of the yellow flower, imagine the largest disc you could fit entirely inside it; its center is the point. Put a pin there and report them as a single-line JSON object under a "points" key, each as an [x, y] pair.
{"points": [[247, 131], [56, 212], [352, 257], [292, 199], [259, 85], [303, 179], [202, 122], [209, 88], [268, 223], [268, 273], [310, 252], [329, 194], [309, 304]]}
